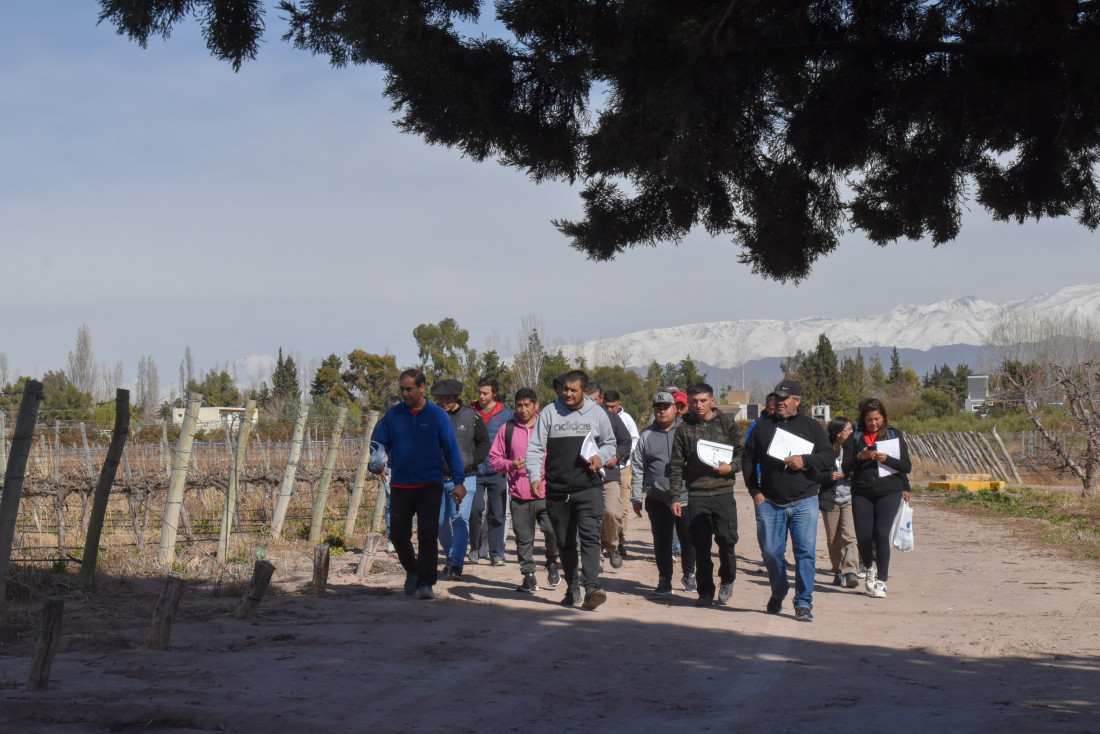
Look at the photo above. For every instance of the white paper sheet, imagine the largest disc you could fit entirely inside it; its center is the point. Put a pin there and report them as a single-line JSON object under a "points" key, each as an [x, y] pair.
{"points": [[713, 453], [785, 445], [890, 447], [590, 448]]}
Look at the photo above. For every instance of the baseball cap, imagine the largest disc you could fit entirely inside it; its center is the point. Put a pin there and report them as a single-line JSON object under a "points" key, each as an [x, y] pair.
{"points": [[788, 388], [680, 397], [664, 396], [447, 387]]}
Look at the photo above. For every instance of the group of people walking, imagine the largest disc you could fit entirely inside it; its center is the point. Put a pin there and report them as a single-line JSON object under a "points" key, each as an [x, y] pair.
{"points": [[576, 469]]}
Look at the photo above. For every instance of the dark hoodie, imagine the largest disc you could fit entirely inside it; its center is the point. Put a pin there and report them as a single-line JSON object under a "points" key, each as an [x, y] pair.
{"points": [[702, 479], [776, 482]]}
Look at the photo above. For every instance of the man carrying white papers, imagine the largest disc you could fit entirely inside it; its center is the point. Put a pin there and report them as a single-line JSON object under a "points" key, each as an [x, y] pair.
{"points": [[792, 451], [706, 456]]}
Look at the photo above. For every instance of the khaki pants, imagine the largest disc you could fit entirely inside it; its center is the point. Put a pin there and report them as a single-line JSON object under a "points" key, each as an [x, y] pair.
{"points": [[840, 535], [612, 516], [624, 500]]}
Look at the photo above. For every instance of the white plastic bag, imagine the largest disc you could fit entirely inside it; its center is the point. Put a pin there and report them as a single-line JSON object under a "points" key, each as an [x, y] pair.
{"points": [[901, 533]]}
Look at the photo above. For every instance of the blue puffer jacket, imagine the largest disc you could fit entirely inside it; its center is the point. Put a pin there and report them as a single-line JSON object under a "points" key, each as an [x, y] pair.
{"points": [[494, 421]]}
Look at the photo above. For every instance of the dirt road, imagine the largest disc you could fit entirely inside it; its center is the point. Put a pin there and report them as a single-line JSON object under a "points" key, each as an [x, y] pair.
{"points": [[981, 632]]}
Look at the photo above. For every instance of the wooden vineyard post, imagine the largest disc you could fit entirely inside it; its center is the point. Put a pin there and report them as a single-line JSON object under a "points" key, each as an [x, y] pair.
{"points": [[326, 477], [87, 451], [164, 613], [234, 480], [14, 474], [360, 477], [103, 487], [321, 558], [57, 451], [257, 587], [286, 489], [48, 636], [3, 438], [1008, 458], [166, 554]]}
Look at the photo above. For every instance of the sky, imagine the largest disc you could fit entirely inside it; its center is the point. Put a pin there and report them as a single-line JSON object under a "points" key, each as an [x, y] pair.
{"points": [[166, 201]]}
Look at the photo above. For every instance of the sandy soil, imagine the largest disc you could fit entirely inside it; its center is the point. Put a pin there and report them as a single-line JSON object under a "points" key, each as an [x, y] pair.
{"points": [[982, 631]]}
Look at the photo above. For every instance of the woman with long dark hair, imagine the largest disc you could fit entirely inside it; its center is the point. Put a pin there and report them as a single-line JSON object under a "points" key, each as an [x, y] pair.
{"points": [[835, 500], [879, 484]]}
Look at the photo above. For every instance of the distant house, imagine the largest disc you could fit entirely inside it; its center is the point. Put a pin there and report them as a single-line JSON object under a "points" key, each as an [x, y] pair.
{"points": [[211, 418], [737, 406], [977, 394]]}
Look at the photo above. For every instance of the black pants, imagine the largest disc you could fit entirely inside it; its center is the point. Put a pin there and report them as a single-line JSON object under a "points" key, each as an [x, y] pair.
{"points": [[664, 524], [578, 515], [489, 501], [525, 515], [713, 517], [873, 517], [423, 503]]}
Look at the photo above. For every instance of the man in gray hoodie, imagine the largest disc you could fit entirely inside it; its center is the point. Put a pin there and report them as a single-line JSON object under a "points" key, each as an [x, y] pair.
{"points": [[651, 464], [574, 437]]}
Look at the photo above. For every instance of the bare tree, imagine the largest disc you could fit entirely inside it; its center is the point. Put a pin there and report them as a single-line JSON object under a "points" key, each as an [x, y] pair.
{"points": [[148, 385], [619, 354], [1048, 365], [82, 366], [110, 379], [187, 370], [527, 362]]}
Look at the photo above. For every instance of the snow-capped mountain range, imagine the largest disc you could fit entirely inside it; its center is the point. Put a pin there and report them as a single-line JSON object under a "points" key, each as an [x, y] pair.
{"points": [[924, 327]]}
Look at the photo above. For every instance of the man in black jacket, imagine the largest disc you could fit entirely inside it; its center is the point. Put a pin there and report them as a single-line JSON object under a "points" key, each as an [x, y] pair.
{"points": [[712, 511], [473, 443], [785, 494]]}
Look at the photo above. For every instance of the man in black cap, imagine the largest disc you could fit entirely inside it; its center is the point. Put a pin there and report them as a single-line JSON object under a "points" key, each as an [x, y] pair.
{"points": [[785, 494], [473, 444]]}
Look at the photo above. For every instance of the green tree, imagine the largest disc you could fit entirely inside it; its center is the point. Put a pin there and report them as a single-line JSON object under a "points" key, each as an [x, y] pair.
{"points": [[934, 403], [217, 389], [820, 375], [895, 373], [328, 382], [554, 365], [631, 388], [443, 350], [877, 376], [371, 377], [776, 124], [284, 380]]}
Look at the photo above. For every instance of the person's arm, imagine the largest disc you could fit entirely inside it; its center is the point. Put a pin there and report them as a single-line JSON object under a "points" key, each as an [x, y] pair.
{"points": [[637, 461], [749, 458], [498, 453], [449, 444], [622, 438], [536, 446], [481, 440], [676, 468], [381, 436], [733, 438], [849, 457], [606, 438]]}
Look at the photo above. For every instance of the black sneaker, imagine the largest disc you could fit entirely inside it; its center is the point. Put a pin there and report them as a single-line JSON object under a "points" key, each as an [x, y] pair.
{"points": [[622, 549], [615, 559], [688, 580], [594, 598], [496, 561], [426, 592], [664, 585], [529, 584], [803, 614], [412, 582], [471, 557], [571, 598], [725, 591], [553, 576], [445, 572], [774, 605], [704, 601], [838, 579], [456, 573], [851, 580]]}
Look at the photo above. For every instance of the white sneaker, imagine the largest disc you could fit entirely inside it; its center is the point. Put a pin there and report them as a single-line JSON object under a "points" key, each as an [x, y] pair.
{"points": [[871, 580], [879, 590]]}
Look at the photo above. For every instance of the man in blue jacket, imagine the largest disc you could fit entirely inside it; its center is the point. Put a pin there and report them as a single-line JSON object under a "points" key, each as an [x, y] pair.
{"points": [[417, 435]]}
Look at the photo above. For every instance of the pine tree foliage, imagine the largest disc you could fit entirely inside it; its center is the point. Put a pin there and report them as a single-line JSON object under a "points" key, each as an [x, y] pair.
{"points": [[778, 125]]}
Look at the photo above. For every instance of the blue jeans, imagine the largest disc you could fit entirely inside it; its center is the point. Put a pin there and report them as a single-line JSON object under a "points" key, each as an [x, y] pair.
{"points": [[454, 522], [772, 525]]}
